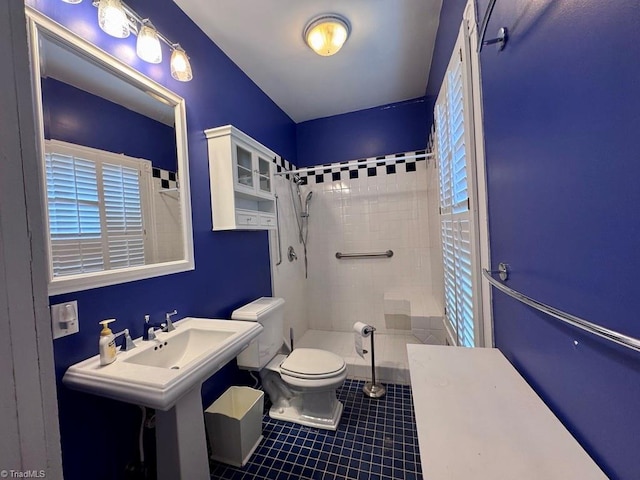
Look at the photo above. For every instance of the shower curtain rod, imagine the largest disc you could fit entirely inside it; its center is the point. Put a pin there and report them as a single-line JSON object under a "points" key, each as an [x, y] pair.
{"points": [[368, 162]]}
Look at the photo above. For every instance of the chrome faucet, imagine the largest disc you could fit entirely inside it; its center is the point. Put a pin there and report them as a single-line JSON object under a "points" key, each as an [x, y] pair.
{"points": [[148, 329]]}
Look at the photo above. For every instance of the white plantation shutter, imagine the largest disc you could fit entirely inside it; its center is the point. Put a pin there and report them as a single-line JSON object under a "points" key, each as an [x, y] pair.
{"points": [[458, 167], [74, 215], [464, 282], [452, 145], [443, 145], [123, 212], [95, 209], [448, 255]]}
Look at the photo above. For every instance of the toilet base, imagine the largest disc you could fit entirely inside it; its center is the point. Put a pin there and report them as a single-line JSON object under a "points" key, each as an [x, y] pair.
{"points": [[293, 413]]}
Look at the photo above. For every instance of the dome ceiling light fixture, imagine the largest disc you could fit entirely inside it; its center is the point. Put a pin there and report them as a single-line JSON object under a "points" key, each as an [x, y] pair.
{"points": [[327, 33]]}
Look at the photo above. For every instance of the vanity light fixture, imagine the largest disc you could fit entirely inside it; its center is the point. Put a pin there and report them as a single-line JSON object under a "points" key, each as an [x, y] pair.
{"points": [[113, 19], [119, 20], [326, 34], [180, 66], [148, 43]]}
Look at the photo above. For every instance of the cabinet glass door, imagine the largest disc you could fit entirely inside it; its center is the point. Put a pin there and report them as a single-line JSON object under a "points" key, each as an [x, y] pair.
{"points": [[244, 167], [264, 172]]}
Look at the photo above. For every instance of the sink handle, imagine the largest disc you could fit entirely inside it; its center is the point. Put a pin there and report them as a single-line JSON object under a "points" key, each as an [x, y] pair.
{"points": [[127, 343], [169, 327], [151, 334]]}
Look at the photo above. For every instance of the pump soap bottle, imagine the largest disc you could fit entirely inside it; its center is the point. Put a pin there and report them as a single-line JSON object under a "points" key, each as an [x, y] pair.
{"points": [[107, 343]]}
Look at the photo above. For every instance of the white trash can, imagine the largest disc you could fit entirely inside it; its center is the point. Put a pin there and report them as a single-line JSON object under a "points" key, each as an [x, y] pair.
{"points": [[234, 425]]}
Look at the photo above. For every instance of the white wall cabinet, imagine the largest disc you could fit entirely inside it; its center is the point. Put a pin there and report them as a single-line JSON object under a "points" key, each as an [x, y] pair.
{"points": [[241, 178]]}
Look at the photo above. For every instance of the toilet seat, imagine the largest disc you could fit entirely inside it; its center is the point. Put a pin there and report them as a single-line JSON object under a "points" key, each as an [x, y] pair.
{"points": [[312, 364]]}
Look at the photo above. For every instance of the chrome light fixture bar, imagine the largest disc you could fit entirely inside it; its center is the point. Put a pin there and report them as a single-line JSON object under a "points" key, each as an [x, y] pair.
{"points": [[148, 43]]}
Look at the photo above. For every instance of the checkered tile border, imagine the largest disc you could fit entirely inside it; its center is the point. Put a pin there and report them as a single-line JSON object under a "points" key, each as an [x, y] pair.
{"points": [[283, 165], [335, 172], [167, 178]]}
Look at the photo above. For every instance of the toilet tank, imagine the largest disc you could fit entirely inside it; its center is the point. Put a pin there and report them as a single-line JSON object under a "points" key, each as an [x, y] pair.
{"points": [[269, 311]]}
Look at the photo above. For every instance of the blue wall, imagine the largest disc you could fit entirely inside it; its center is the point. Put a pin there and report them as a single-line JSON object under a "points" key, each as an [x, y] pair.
{"points": [[232, 268], [562, 119], [561, 108], [398, 127], [75, 116], [448, 28]]}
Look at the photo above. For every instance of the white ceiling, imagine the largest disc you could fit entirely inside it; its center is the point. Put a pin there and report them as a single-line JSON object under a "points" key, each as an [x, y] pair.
{"points": [[386, 59]]}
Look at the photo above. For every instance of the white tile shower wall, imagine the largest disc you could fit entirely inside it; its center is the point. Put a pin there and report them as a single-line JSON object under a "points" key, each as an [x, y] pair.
{"points": [[435, 240], [168, 223], [367, 214], [287, 278]]}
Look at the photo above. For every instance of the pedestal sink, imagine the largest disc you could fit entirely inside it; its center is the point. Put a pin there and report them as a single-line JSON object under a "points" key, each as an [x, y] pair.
{"points": [[167, 374]]}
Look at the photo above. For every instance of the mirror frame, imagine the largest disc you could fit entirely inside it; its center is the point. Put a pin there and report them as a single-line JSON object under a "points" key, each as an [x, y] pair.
{"points": [[38, 25]]}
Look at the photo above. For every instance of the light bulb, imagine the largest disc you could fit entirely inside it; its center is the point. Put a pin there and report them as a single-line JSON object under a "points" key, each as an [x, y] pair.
{"points": [[148, 44], [180, 67], [113, 19]]}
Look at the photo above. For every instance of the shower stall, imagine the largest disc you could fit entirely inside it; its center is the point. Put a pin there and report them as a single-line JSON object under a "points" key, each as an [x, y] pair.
{"points": [[366, 206]]}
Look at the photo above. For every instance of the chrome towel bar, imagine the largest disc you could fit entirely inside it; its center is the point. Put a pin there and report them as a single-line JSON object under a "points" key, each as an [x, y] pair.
{"points": [[388, 254], [600, 331]]}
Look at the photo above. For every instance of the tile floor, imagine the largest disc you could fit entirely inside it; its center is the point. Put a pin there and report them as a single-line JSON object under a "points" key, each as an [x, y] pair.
{"points": [[376, 440], [392, 363]]}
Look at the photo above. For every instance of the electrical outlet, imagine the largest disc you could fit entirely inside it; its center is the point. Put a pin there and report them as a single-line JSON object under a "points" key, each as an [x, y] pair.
{"points": [[64, 319]]}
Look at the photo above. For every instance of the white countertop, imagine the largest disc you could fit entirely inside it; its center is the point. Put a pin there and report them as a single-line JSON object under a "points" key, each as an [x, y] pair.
{"points": [[478, 419]]}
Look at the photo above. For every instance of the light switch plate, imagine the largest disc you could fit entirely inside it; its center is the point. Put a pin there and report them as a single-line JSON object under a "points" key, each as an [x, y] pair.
{"points": [[64, 319]]}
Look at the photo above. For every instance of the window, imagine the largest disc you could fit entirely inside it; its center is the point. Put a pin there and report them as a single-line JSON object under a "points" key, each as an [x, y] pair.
{"points": [[454, 151], [97, 204]]}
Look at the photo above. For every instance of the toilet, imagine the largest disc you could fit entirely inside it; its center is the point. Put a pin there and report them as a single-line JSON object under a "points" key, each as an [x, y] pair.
{"points": [[302, 385]]}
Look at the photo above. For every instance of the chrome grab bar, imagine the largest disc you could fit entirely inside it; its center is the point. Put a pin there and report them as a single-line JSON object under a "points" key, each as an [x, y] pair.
{"points": [[278, 233], [388, 254], [600, 331]]}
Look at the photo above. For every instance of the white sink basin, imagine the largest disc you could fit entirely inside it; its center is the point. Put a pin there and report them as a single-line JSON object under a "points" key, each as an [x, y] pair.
{"points": [[158, 372], [180, 349]]}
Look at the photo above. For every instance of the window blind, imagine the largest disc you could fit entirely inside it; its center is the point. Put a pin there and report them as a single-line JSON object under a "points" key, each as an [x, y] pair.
{"points": [[95, 209], [455, 214], [123, 212], [74, 215]]}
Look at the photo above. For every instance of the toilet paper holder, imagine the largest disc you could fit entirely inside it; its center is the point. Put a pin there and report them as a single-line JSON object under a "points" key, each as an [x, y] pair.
{"points": [[373, 389]]}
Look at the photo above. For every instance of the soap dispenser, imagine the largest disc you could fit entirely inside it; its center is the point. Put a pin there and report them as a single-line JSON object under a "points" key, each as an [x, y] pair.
{"points": [[107, 343]]}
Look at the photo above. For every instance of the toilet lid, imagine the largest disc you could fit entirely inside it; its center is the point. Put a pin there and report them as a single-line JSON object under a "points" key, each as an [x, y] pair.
{"points": [[311, 362]]}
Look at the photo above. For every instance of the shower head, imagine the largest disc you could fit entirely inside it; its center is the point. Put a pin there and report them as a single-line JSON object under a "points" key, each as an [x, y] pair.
{"points": [[307, 200], [296, 179]]}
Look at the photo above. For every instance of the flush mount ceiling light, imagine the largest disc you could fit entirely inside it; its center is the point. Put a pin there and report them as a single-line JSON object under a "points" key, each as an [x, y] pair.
{"points": [[148, 43], [326, 34], [113, 19]]}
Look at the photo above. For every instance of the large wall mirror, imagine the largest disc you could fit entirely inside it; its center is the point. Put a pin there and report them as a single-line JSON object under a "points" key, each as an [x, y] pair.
{"points": [[114, 165]]}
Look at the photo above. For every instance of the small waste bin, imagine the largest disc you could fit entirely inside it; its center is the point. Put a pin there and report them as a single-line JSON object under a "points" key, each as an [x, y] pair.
{"points": [[234, 425]]}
